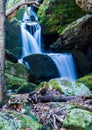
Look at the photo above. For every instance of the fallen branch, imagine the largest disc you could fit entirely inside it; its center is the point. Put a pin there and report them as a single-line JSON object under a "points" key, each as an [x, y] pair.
{"points": [[12, 11]]}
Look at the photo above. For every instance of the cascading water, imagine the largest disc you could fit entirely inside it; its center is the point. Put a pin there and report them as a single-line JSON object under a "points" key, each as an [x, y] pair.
{"points": [[31, 39]]}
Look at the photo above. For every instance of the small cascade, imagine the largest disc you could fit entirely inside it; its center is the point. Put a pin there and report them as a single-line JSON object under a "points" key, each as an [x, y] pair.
{"points": [[30, 45], [31, 39], [65, 65]]}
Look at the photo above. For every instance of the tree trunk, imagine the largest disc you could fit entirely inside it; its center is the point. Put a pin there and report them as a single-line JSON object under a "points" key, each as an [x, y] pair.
{"points": [[2, 48]]}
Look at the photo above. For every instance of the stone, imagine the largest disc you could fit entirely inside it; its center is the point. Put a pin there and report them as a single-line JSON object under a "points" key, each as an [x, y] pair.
{"points": [[42, 66], [76, 36], [78, 119], [69, 88], [18, 85], [11, 120], [10, 56], [87, 80]]}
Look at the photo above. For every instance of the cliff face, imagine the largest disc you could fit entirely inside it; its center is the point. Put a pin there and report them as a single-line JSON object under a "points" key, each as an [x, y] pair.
{"points": [[85, 5]]}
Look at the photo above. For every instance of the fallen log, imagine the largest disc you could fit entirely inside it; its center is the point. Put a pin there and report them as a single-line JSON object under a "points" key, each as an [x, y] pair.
{"points": [[12, 11]]}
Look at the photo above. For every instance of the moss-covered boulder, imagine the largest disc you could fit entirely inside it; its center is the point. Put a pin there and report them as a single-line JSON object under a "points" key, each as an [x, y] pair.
{"points": [[17, 69], [69, 88], [54, 15], [76, 36], [13, 37], [18, 84], [78, 119], [87, 80], [10, 120]]}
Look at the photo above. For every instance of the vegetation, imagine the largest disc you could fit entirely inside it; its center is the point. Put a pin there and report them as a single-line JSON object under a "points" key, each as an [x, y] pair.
{"points": [[56, 15]]}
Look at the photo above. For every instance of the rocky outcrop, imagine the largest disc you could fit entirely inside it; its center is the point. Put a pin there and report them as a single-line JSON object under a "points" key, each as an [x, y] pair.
{"points": [[54, 15], [12, 120], [85, 5], [78, 119], [68, 88], [10, 56], [83, 67], [77, 35], [42, 66], [13, 38]]}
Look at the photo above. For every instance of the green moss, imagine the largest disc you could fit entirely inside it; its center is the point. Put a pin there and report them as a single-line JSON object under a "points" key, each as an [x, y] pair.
{"points": [[55, 15], [87, 80], [75, 23], [55, 85], [22, 85], [69, 88], [14, 121], [78, 119]]}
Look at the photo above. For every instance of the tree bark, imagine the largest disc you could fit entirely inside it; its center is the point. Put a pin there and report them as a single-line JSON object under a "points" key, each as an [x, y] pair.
{"points": [[2, 48], [12, 11]]}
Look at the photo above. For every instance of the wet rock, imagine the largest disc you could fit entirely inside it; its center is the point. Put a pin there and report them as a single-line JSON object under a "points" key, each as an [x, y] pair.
{"points": [[69, 88], [10, 56], [78, 119], [83, 66], [42, 66]]}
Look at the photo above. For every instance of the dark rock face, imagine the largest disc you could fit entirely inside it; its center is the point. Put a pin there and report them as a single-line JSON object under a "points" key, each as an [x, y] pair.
{"points": [[82, 65], [76, 36], [42, 66], [10, 56], [13, 38]]}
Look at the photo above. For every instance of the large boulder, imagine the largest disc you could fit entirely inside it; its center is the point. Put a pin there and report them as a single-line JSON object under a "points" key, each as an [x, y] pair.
{"points": [[13, 37], [42, 66], [68, 88], [76, 36], [18, 85], [20, 71], [11, 120], [83, 66], [85, 5], [78, 119]]}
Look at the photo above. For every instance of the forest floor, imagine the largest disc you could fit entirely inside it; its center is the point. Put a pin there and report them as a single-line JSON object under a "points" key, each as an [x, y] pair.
{"points": [[48, 105]]}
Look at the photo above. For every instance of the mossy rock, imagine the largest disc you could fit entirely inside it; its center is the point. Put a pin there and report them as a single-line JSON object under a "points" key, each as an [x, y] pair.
{"points": [[13, 32], [54, 15], [10, 120], [78, 119], [87, 80], [69, 88], [17, 70], [22, 86]]}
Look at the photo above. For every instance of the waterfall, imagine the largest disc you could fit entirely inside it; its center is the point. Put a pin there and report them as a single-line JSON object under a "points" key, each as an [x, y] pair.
{"points": [[65, 65], [31, 39]]}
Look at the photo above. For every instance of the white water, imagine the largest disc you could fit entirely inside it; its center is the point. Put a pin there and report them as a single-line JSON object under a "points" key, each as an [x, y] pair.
{"points": [[31, 40]]}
